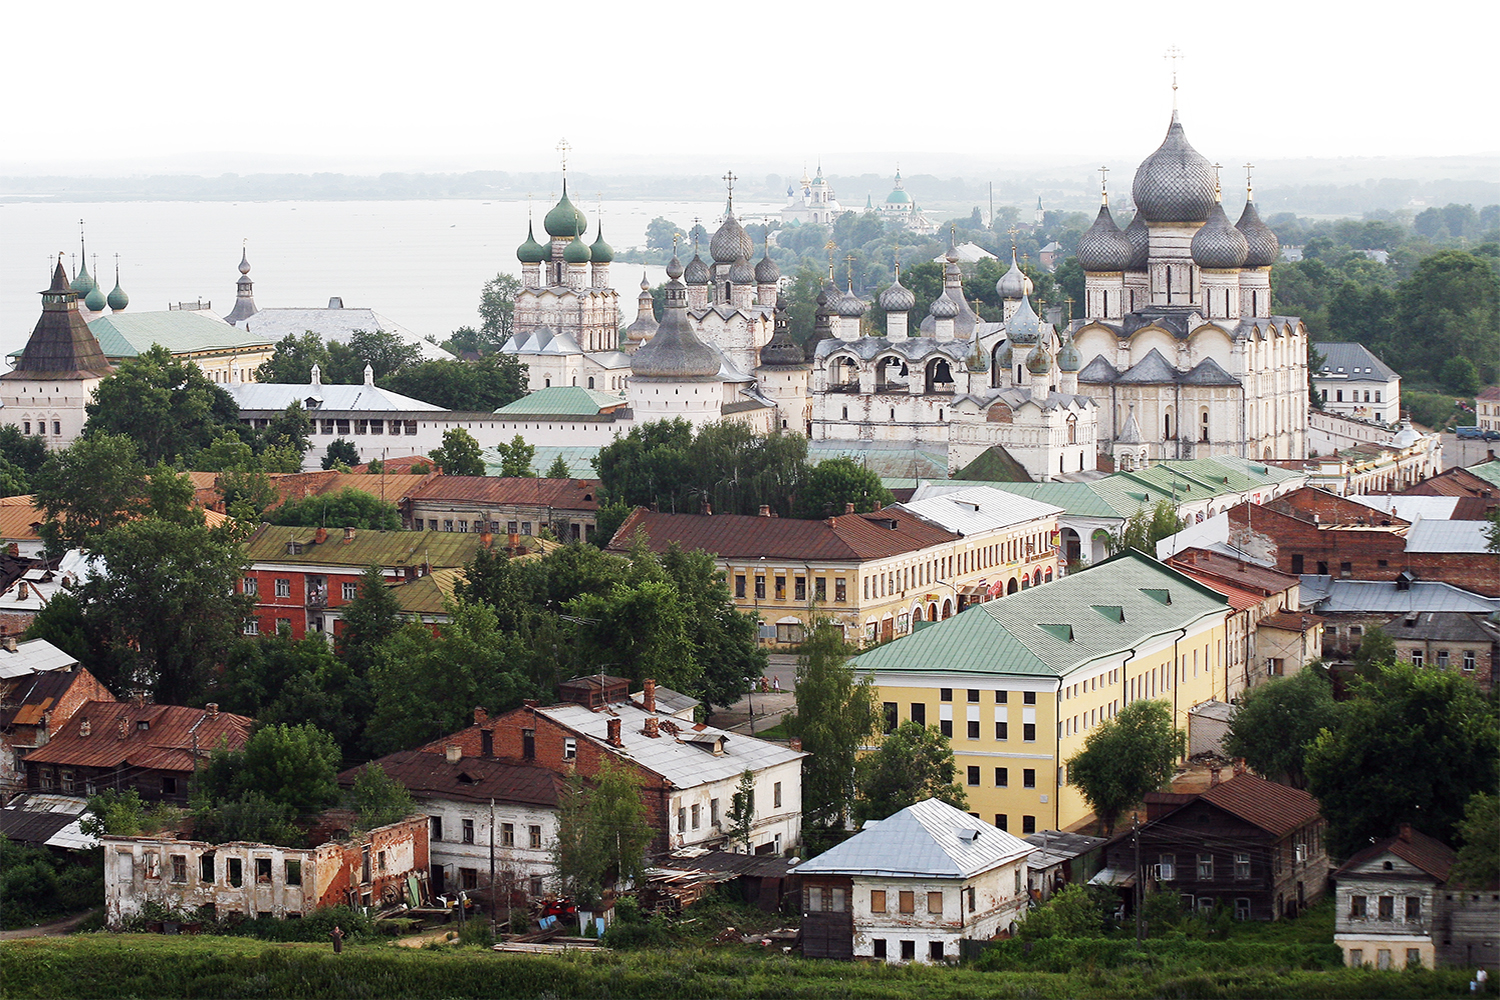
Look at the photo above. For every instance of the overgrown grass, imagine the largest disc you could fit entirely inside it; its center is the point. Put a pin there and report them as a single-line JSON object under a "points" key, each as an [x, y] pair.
{"points": [[109, 966]]}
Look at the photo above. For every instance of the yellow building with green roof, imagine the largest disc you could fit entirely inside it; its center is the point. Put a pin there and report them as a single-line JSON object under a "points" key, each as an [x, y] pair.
{"points": [[1017, 684]]}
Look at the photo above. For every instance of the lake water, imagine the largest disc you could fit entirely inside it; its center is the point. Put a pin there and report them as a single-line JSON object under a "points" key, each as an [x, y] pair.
{"points": [[422, 263]]}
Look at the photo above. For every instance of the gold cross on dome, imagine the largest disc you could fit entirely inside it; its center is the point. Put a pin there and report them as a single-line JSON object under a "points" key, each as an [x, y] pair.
{"points": [[564, 147], [729, 178], [1173, 54]]}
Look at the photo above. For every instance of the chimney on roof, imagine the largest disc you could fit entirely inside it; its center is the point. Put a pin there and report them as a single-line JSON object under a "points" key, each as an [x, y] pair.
{"points": [[848, 508], [765, 510], [614, 733], [705, 508], [120, 735], [878, 505], [8, 643], [486, 539], [138, 698], [653, 727], [1213, 775], [481, 716], [213, 709], [84, 728], [21, 591], [512, 543], [348, 535], [320, 536], [1239, 766], [453, 752], [648, 697], [796, 743], [1405, 833], [530, 703]]}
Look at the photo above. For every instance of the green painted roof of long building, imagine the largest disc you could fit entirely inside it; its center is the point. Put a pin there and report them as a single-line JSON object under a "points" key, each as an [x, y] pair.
{"points": [[437, 549], [127, 334], [1115, 606], [562, 401]]}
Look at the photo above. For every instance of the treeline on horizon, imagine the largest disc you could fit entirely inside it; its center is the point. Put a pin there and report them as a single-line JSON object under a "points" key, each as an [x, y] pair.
{"points": [[1385, 194]]}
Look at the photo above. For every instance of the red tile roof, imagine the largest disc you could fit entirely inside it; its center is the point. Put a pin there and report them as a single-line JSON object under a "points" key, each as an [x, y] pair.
{"points": [[471, 779], [1412, 846], [116, 737], [848, 537], [1238, 599], [1236, 572], [1292, 622], [566, 494], [1277, 809], [1456, 482]]}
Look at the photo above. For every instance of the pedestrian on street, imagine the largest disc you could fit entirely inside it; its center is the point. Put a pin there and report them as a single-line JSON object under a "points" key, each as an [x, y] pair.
{"points": [[776, 684], [338, 938]]}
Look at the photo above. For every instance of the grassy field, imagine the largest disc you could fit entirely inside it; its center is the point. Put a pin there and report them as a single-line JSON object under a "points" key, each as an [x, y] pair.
{"points": [[141, 966]]}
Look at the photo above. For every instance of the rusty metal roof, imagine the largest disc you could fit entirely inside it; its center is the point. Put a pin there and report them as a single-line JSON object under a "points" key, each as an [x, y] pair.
{"points": [[1413, 846], [1277, 809], [116, 736], [1237, 572], [1456, 482], [26, 699], [1238, 598], [848, 537], [566, 494], [471, 779], [390, 487]]}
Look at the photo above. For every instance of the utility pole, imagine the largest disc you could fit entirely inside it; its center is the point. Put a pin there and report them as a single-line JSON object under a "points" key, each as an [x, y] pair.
{"points": [[494, 911], [1140, 884]]}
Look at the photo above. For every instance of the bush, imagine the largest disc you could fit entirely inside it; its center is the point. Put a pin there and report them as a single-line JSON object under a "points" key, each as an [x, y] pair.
{"points": [[38, 885], [315, 926], [476, 931]]}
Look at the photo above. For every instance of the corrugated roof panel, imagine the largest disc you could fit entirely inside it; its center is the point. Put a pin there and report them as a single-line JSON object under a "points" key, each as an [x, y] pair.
{"points": [[930, 838]]}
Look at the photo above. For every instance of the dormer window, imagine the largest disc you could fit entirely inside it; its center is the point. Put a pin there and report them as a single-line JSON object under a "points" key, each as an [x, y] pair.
{"points": [[143, 725]]}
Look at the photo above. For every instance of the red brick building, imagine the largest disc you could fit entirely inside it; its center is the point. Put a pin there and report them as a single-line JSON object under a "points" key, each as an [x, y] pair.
{"points": [[302, 577], [1314, 531], [504, 505], [34, 706]]}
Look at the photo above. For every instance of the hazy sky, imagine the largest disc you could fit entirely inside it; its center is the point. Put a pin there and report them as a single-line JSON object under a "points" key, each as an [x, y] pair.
{"points": [[212, 87]]}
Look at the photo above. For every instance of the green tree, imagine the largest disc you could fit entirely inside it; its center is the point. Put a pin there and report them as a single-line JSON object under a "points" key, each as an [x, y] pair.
{"points": [[836, 714], [559, 469], [166, 595], [26, 451], [291, 363], [1278, 719], [913, 763], [741, 814], [378, 798], [1376, 650], [278, 679], [382, 351], [95, 484], [660, 234], [834, 483], [497, 310], [348, 508], [1449, 307], [641, 627], [1478, 863], [515, 459], [1411, 746], [425, 685], [1072, 912], [1143, 529], [459, 454], [1126, 757], [341, 452], [602, 833], [475, 386], [1459, 375], [166, 405], [369, 620], [293, 765], [723, 639]]}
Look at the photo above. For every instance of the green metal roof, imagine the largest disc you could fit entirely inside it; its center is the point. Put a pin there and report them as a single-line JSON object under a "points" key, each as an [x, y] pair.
{"points": [[579, 458], [390, 549], [127, 334], [562, 401], [1054, 629], [1489, 471]]}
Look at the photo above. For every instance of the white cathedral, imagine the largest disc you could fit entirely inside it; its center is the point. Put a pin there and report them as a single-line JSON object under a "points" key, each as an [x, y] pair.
{"points": [[1177, 355]]}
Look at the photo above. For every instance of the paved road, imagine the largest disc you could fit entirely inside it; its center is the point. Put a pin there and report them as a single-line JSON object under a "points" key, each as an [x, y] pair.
{"points": [[769, 706]]}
